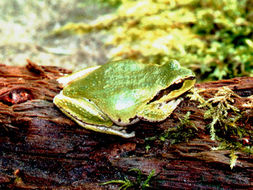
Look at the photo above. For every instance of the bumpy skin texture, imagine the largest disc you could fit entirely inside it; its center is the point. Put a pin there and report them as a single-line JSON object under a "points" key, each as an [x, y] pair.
{"points": [[121, 92]]}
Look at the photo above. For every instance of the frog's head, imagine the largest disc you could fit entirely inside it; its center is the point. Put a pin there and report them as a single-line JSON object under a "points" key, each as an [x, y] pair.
{"points": [[178, 80]]}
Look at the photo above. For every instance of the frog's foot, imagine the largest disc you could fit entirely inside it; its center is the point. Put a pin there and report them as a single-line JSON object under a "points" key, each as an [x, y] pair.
{"points": [[156, 112], [112, 130], [130, 121]]}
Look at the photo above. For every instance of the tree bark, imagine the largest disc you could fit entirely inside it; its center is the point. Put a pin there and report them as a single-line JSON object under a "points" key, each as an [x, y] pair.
{"points": [[42, 148]]}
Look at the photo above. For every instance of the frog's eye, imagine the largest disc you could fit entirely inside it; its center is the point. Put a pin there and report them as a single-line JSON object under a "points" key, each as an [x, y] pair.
{"points": [[179, 84], [174, 87], [166, 91]]}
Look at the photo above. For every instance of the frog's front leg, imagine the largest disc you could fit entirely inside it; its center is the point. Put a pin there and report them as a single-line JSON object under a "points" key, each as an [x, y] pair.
{"points": [[88, 115], [158, 111]]}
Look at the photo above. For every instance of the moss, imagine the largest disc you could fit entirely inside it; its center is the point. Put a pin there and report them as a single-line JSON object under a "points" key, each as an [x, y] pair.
{"points": [[224, 122], [185, 131]]}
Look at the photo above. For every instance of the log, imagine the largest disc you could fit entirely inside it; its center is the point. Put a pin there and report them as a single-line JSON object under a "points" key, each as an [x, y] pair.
{"points": [[42, 148]]}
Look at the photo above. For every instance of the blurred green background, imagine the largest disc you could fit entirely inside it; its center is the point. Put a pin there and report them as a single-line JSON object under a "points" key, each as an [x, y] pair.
{"points": [[213, 38], [26, 25]]}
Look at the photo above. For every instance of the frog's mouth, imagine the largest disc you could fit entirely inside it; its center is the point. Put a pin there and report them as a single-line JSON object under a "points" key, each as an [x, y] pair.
{"points": [[177, 85]]}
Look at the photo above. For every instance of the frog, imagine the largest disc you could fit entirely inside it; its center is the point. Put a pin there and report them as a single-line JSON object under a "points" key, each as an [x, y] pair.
{"points": [[111, 97]]}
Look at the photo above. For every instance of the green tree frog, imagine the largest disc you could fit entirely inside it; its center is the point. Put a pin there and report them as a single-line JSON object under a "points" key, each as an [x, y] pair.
{"points": [[110, 97]]}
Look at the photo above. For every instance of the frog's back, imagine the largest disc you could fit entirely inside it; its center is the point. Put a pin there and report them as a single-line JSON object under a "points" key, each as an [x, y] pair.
{"points": [[120, 88]]}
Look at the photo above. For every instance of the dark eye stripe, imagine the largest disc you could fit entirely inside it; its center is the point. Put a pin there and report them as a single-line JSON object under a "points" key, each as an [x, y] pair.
{"points": [[177, 85]]}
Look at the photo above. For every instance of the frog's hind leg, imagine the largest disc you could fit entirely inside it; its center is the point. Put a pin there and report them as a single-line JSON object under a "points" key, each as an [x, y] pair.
{"points": [[88, 115], [155, 112], [65, 80]]}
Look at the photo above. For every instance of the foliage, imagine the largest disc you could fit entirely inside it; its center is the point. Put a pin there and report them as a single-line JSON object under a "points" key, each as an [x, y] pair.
{"points": [[224, 121], [126, 183], [212, 37], [140, 183], [113, 3]]}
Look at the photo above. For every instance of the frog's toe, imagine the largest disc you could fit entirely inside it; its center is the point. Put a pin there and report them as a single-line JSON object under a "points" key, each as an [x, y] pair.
{"points": [[113, 130], [159, 111], [130, 121]]}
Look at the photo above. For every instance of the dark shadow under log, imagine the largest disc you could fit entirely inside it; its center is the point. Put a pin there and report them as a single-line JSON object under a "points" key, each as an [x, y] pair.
{"points": [[42, 148]]}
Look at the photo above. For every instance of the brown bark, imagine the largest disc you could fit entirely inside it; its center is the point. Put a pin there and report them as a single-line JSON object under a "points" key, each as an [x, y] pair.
{"points": [[42, 148]]}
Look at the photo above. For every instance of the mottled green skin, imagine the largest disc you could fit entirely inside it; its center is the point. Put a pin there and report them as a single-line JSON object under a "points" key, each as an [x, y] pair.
{"points": [[110, 97], [121, 89]]}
